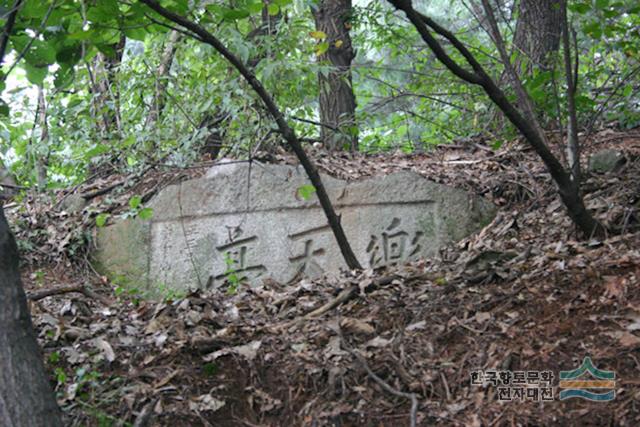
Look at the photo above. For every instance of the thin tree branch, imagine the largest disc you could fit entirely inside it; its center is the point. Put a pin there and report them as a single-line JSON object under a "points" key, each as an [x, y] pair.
{"points": [[382, 383], [8, 27]]}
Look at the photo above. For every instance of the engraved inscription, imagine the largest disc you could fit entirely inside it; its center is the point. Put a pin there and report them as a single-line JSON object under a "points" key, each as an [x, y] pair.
{"points": [[237, 257], [307, 262], [393, 245]]}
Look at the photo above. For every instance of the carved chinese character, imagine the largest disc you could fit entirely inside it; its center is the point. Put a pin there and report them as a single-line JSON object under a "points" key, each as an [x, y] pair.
{"points": [[236, 256], [307, 261], [393, 245]]}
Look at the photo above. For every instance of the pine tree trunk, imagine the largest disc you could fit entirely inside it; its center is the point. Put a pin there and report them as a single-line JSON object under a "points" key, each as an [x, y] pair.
{"points": [[26, 398], [337, 100]]}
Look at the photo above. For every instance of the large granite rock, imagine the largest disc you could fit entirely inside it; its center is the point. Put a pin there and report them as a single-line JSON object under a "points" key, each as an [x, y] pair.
{"points": [[256, 222]]}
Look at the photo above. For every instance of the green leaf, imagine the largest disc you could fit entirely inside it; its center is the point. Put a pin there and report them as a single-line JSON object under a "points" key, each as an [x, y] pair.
{"points": [[136, 33], [234, 14], [306, 191], [255, 7], [145, 213], [69, 55], [273, 9], [36, 75], [63, 77], [4, 109], [318, 35], [96, 151], [601, 4], [594, 29], [322, 48], [103, 11], [34, 9], [101, 219], [135, 201], [580, 8]]}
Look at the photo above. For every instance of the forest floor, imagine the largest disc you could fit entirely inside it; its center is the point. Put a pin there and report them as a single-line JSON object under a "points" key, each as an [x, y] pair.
{"points": [[526, 294]]}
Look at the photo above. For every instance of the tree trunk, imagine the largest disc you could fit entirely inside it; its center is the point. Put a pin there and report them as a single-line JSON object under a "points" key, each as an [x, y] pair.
{"points": [[40, 156], [537, 33], [573, 143], [26, 398], [337, 100], [105, 85], [164, 67]]}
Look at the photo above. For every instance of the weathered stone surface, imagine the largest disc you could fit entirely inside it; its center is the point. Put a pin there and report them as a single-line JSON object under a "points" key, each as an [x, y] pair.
{"points": [[73, 203], [252, 222], [605, 161]]}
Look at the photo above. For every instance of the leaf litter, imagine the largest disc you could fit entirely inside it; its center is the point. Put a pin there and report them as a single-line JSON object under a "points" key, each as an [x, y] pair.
{"points": [[524, 294]]}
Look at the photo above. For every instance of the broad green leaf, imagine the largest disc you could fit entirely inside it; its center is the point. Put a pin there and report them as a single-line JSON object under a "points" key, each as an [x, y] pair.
{"points": [[4, 109], [255, 7], [580, 7], [134, 202], [136, 33], [594, 29], [69, 55], [63, 77], [235, 14], [36, 75], [103, 11], [306, 191], [145, 213], [273, 9], [101, 219], [96, 151], [322, 48], [35, 9]]}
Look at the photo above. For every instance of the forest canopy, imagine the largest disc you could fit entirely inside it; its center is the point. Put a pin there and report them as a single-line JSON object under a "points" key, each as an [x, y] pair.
{"points": [[92, 82]]}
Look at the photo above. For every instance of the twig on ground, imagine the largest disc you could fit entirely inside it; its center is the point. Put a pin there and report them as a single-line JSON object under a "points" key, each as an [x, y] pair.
{"points": [[38, 295], [346, 295], [144, 417], [382, 383]]}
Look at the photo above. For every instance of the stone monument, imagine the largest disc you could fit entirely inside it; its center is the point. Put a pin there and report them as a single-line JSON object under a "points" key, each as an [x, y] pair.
{"points": [[248, 222]]}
